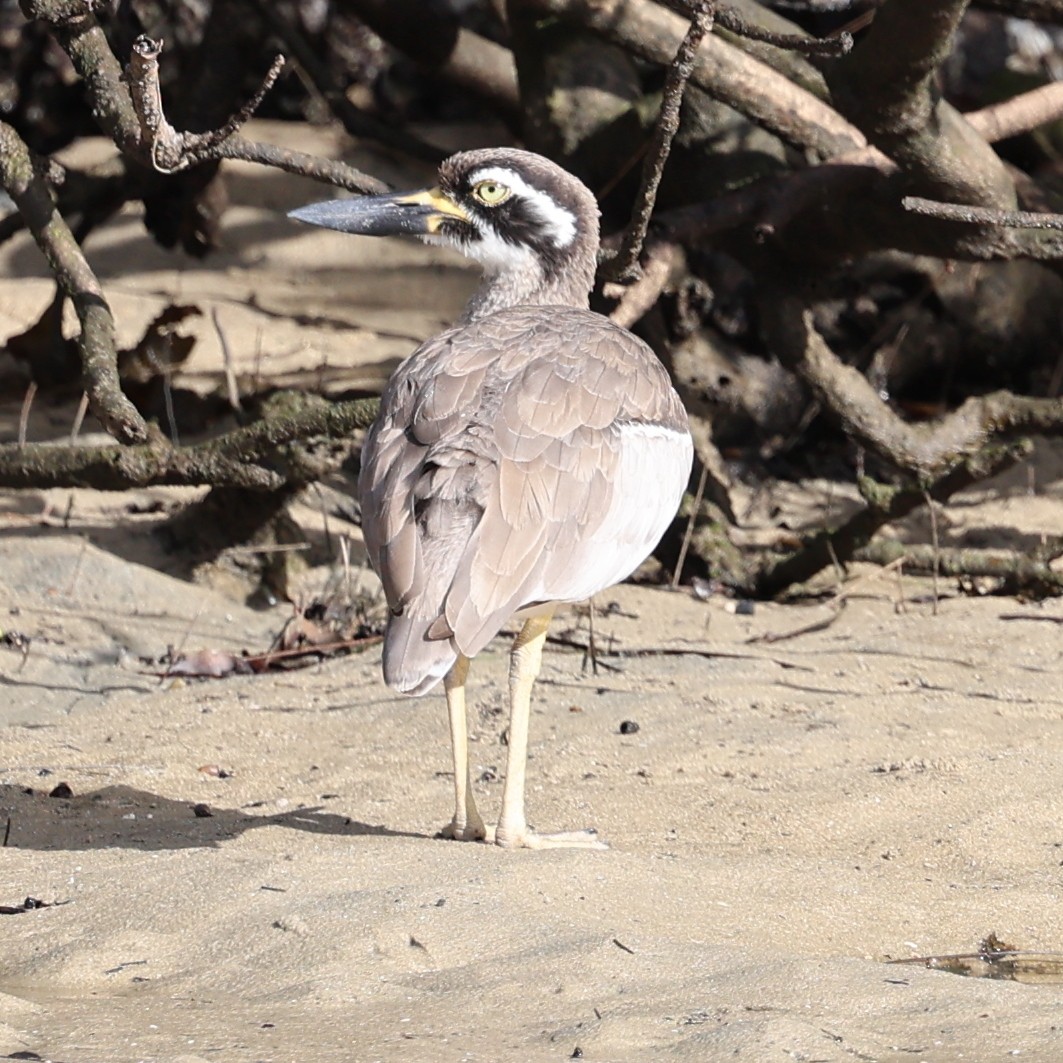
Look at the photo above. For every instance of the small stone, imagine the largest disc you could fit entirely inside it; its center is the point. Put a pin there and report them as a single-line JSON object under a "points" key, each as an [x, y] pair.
{"points": [[202, 811], [629, 727], [62, 790]]}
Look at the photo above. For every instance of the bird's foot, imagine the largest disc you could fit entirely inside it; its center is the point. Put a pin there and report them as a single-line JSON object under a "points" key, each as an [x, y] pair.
{"points": [[464, 831], [524, 838]]}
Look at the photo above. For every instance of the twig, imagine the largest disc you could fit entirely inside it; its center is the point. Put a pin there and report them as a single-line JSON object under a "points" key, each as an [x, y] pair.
{"points": [[691, 520], [354, 120], [836, 603], [169, 151], [232, 389], [935, 546], [79, 417], [24, 412], [625, 265], [829, 47], [1012, 219]]}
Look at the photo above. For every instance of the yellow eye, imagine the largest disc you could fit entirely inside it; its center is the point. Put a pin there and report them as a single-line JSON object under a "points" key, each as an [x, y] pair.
{"points": [[491, 193]]}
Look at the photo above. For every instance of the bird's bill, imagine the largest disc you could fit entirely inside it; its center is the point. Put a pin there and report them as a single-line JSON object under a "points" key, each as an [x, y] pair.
{"points": [[416, 213]]}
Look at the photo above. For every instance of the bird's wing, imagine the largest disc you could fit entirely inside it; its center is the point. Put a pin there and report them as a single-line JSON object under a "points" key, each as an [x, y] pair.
{"points": [[531, 456]]}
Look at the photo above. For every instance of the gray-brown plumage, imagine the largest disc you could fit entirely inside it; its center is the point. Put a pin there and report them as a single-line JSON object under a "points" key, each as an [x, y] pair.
{"points": [[531, 455]]}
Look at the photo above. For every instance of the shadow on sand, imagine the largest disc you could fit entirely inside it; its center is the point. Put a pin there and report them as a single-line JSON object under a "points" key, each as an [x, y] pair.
{"points": [[121, 817]]}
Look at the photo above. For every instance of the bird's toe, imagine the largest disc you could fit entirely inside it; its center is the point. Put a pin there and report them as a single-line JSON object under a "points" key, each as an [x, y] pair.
{"points": [[464, 832], [568, 839]]}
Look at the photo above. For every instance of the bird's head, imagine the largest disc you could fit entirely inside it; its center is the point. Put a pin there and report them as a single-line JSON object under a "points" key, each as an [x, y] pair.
{"points": [[530, 224]]}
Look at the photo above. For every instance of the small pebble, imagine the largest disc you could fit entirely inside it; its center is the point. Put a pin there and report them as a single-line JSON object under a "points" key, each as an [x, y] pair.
{"points": [[202, 811], [629, 727], [62, 790]]}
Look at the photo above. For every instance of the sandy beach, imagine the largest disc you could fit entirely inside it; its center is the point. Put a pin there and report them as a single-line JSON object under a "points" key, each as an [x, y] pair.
{"points": [[246, 868]]}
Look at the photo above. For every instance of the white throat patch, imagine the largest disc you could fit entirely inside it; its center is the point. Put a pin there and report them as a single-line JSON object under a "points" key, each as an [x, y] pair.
{"points": [[559, 223]]}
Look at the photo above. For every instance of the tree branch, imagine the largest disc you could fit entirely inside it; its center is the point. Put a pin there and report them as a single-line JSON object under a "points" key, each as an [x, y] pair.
{"points": [[728, 74], [925, 451], [99, 357], [886, 86], [839, 545], [252, 457], [1009, 219], [169, 151], [625, 265]]}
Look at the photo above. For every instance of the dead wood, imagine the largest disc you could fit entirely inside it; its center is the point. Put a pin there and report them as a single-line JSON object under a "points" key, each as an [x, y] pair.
{"points": [[924, 451], [832, 546], [1013, 571], [99, 358], [880, 162], [625, 265], [260, 456]]}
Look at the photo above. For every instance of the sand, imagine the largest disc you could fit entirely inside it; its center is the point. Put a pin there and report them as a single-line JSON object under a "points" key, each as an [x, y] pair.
{"points": [[787, 818]]}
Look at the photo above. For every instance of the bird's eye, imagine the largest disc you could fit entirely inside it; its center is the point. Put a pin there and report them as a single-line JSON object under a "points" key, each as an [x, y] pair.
{"points": [[491, 193]]}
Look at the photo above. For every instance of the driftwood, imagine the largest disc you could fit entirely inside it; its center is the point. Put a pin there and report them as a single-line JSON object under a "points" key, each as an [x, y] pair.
{"points": [[837, 160]]}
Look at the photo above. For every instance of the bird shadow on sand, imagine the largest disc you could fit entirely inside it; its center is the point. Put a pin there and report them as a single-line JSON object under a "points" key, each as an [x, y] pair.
{"points": [[121, 817]]}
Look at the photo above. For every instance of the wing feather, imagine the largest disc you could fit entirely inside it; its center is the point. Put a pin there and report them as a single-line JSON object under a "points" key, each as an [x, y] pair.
{"points": [[526, 457]]}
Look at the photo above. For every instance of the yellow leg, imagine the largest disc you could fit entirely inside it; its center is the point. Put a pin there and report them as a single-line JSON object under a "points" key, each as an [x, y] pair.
{"points": [[512, 830], [466, 824]]}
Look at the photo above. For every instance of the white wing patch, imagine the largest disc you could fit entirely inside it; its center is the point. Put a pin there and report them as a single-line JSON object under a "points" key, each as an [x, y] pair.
{"points": [[651, 476]]}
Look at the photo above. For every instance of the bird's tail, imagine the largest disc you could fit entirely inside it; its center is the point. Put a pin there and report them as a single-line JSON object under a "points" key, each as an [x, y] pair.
{"points": [[413, 663]]}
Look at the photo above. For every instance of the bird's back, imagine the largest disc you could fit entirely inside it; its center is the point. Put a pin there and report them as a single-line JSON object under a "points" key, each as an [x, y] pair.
{"points": [[535, 455]]}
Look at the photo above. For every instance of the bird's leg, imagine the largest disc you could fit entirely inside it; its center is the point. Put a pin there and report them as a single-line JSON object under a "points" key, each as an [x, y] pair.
{"points": [[512, 830], [466, 824]]}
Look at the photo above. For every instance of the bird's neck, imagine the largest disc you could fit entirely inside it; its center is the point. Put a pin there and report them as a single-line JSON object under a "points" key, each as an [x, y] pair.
{"points": [[533, 283]]}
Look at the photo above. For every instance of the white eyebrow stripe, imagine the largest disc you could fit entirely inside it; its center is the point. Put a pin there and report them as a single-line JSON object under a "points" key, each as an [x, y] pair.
{"points": [[558, 223]]}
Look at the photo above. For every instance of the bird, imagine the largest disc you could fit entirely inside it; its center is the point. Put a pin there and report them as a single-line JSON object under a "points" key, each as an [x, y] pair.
{"points": [[531, 455]]}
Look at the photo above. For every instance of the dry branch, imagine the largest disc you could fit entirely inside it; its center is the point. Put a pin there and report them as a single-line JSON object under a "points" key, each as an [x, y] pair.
{"points": [[886, 87], [1020, 114], [255, 457], [624, 266], [99, 358], [725, 72], [169, 151], [839, 545], [1009, 219], [1014, 569], [924, 450]]}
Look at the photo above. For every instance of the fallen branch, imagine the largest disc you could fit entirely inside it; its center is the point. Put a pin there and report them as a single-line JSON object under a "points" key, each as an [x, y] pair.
{"points": [[74, 276], [923, 450], [254, 457], [1016, 571], [839, 545], [1011, 219]]}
